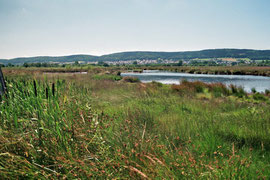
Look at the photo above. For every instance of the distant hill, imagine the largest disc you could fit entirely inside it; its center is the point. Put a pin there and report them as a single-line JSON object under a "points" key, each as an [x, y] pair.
{"points": [[43, 59], [140, 55], [211, 53]]}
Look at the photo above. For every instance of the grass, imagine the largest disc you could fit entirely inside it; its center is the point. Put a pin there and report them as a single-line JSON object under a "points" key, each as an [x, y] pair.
{"points": [[81, 126], [49, 130], [107, 77]]}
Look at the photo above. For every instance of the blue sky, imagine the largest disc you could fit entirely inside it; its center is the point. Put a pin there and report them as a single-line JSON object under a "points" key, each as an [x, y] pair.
{"points": [[63, 27]]}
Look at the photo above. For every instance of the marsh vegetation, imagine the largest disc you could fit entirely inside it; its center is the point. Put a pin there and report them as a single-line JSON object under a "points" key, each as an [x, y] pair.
{"points": [[98, 125]]}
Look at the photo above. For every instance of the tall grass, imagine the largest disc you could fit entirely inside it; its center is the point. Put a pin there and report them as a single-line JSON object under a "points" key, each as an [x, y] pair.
{"points": [[51, 128], [164, 134]]}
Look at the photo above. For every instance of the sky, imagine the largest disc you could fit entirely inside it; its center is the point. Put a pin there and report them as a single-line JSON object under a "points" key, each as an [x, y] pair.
{"points": [[97, 27]]}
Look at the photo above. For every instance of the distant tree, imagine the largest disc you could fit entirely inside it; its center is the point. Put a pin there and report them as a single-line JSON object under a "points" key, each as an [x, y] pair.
{"points": [[234, 63], [38, 64], [106, 65], [10, 65], [180, 63], [242, 62], [76, 63], [25, 64], [135, 62], [46, 65], [194, 62], [100, 63]]}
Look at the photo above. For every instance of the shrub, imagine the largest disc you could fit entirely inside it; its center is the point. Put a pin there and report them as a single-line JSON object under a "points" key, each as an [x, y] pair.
{"points": [[196, 86], [259, 97], [131, 79], [267, 92], [158, 84], [253, 90], [107, 77], [241, 92], [178, 88], [218, 89], [237, 91], [199, 86], [190, 87], [233, 89]]}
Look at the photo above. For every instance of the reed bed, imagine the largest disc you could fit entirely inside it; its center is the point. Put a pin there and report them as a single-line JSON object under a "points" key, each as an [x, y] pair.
{"points": [[48, 130]]}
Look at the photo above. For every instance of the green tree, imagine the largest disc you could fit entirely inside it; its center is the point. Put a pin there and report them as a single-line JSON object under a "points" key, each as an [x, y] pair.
{"points": [[180, 63], [25, 65]]}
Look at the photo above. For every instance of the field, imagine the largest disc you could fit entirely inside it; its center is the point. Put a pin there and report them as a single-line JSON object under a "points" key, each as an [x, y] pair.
{"points": [[100, 126]]}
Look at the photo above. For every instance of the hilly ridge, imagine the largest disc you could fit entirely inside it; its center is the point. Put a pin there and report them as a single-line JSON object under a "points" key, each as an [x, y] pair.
{"points": [[140, 55]]}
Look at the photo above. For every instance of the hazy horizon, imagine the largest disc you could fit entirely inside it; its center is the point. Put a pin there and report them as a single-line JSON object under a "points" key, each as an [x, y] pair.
{"points": [[97, 27]]}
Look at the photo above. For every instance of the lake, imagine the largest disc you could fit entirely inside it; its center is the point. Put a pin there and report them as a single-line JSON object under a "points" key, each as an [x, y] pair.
{"points": [[260, 83]]}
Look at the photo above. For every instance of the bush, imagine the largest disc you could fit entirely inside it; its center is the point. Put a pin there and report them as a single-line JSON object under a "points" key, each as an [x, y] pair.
{"points": [[259, 97], [241, 92], [233, 89], [107, 77], [190, 87], [199, 86], [158, 84], [219, 89], [238, 91], [131, 79], [253, 90], [267, 92], [196, 86]]}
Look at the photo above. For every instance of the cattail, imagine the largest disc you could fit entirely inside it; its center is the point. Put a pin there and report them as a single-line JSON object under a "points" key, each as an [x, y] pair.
{"points": [[53, 89], [47, 93], [35, 88]]}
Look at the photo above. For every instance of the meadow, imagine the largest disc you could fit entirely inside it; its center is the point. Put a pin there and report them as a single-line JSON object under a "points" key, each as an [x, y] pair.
{"points": [[100, 126]]}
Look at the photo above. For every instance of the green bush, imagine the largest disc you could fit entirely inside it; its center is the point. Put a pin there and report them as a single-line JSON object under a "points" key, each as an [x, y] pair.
{"points": [[219, 89], [157, 83], [253, 90], [238, 91], [107, 77], [259, 97], [131, 79]]}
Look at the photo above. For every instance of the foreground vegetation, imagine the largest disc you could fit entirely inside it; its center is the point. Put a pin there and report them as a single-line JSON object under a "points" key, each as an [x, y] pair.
{"points": [[96, 125]]}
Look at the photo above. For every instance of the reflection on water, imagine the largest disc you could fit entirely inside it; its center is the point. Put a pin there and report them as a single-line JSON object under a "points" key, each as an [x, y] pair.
{"points": [[246, 81]]}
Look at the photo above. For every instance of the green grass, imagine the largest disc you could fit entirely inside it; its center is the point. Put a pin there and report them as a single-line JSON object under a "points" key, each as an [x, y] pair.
{"points": [[107, 77], [178, 121], [89, 127]]}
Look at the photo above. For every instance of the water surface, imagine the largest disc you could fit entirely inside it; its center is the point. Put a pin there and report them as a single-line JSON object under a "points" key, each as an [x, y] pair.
{"points": [[260, 83]]}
